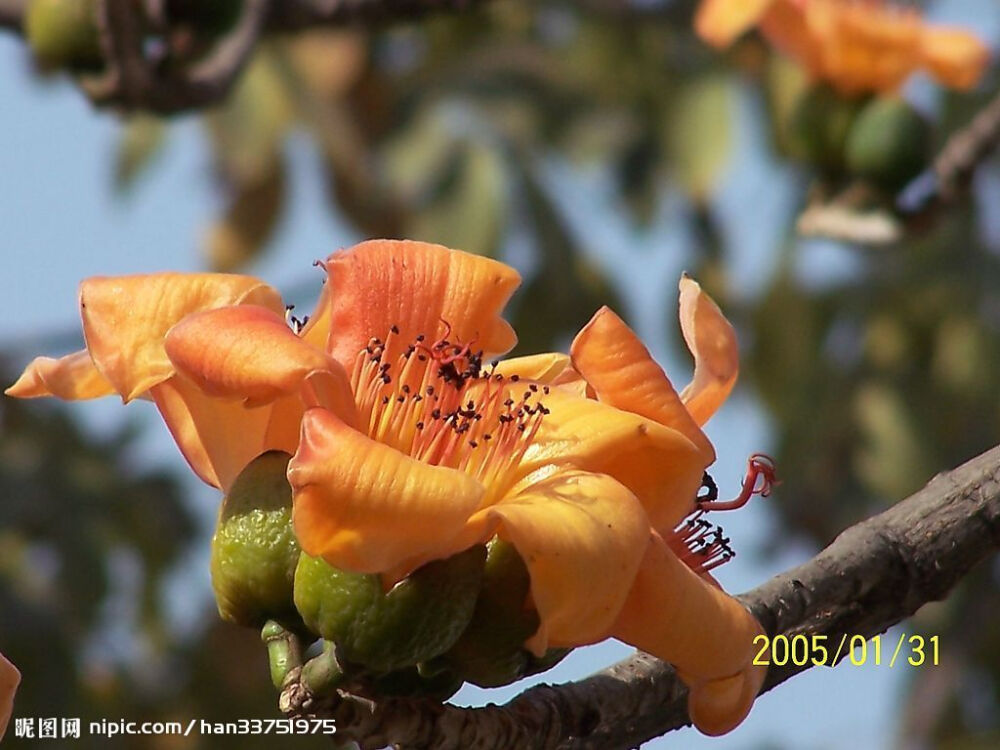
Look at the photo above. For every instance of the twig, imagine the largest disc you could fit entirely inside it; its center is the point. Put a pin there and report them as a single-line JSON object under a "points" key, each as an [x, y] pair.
{"points": [[871, 577], [294, 15], [12, 13], [134, 81], [955, 164]]}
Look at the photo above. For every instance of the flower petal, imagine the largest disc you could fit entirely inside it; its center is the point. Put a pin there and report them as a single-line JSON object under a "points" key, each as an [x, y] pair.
{"points": [[366, 507], [677, 616], [712, 341], [248, 352], [954, 57], [71, 378], [219, 437], [125, 319], [582, 538], [10, 678], [541, 368], [720, 22], [660, 465], [622, 373], [317, 331], [417, 287]]}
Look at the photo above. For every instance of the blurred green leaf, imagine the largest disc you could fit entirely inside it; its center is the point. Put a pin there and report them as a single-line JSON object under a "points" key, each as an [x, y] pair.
{"points": [[142, 139], [698, 133]]}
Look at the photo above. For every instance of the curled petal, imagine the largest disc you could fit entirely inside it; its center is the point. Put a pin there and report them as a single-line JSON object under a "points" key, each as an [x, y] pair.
{"points": [[10, 678], [72, 377], [125, 319], [417, 287], [218, 436], [712, 341], [660, 465], [541, 368], [366, 507], [619, 368], [246, 352], [677, 616], [954, 57], [720, 22], [581, 536], [317, 331]]}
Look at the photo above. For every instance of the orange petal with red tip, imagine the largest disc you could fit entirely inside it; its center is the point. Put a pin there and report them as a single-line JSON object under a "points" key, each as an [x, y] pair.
{"points": [[954, 57], [125, 319], [10, 678], [541, 368], [712, 341], [72, 377], [366, 507], [416, 287], [660, 465], [623, 374], [219, 437], [581, 536], [675, 615], [720, 22], [245, 352]]}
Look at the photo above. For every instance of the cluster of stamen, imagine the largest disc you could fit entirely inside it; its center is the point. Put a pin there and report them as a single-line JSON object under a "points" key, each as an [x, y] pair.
{"points": [[701, 544], [293, 322], [437, 403]]}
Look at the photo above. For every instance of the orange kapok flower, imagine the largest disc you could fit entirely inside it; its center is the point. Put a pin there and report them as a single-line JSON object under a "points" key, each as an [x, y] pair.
{"points": [[857, 46], [10, 678], [408, 447]]}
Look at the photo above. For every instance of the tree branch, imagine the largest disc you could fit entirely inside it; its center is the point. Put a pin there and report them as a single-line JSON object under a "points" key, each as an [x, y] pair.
{"points": [[134, 81], [941, 185], [295, 15], [12, 14], [874, 575], [135, 78]]}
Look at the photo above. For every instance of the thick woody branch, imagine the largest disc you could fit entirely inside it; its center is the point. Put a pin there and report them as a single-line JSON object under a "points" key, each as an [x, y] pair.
{"points": [[871, 577]]}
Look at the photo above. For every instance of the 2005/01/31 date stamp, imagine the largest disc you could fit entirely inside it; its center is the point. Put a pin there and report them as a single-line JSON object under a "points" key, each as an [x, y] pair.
{"points": [[828, 651]]}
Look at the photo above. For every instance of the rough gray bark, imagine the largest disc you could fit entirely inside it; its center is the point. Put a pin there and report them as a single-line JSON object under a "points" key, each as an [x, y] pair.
{"points": [[871, 577]]}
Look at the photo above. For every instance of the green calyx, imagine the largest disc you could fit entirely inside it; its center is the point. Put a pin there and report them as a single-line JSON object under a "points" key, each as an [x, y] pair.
{"points": [[889, 143], [380, 631], [819, 126], [491, 651], [254, 549], [63, 33]]}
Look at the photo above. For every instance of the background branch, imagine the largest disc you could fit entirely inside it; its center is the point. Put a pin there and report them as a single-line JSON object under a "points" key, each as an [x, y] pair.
{"points": [[874, 575]]}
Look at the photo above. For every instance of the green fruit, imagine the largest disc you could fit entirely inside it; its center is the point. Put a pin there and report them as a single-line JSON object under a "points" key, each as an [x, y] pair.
{"points": [[419, 618], [819, 125], [254, 549], [491, 651], [63, 33], [888, 143]]}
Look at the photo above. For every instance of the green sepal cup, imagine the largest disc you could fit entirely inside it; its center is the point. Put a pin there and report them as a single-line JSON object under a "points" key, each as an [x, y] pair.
{"points": [[491, 651], [254, 549], [381, 631]]}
